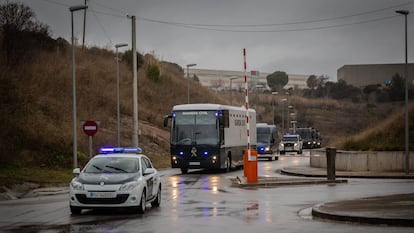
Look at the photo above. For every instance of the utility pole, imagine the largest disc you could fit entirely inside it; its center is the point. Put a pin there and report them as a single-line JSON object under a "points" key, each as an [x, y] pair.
{"points": [[84, 27], [134, 85], [406, 128]]}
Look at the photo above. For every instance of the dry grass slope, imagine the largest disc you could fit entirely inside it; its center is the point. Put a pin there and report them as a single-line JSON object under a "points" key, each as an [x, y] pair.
{"points": [[37, 109], [43, 111], [386, 136]]}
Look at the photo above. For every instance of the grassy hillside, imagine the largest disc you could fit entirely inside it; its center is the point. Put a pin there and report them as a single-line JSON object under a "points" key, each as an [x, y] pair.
{"points": [[387, 135], [37, 108], [336, 120], [36, 111]]}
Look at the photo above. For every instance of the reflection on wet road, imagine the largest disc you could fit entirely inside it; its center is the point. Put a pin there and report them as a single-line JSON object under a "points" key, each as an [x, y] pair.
{"points": [[205, 201]]}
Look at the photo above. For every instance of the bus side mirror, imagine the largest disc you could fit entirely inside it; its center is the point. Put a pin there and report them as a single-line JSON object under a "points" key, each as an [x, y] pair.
{"points": [[224, 119], [166, 117]]}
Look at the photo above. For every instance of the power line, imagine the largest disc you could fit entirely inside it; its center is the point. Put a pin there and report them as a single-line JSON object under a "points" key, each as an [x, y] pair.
{"points": [[275, 30], [286, 23], [226, 27], [57, 3], [190, 25], [110, 8], [102, 27]]}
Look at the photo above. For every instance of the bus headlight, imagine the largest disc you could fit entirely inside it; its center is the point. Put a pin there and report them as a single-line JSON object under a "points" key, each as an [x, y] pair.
{"points": [[174, 160]]}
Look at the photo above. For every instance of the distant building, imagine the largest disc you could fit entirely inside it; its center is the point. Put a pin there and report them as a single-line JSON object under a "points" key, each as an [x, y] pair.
{"points": [[221, 79], [297, 81], [372, 74]]}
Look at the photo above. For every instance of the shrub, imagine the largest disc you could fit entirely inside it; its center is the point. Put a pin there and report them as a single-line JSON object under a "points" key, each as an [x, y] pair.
{"points": [[153, 73]]}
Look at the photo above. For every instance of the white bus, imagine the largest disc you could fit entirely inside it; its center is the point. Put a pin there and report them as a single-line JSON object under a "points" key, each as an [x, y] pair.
{"points": [[209, 136]]}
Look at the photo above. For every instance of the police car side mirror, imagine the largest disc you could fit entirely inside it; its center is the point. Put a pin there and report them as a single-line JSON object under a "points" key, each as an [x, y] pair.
{"points": [[149, 171], [76, 171]]}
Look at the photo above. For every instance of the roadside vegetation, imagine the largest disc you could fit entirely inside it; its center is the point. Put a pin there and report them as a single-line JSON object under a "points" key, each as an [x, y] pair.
{"points": [[36, 104]]}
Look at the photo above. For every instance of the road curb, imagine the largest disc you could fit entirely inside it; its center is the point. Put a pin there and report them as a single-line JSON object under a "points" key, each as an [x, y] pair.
{"points": [[339, 174], [277, 182], [318, 213]]}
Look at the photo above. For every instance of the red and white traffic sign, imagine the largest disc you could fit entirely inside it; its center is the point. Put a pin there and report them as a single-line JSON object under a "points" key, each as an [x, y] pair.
{"points": [[90, 127]]}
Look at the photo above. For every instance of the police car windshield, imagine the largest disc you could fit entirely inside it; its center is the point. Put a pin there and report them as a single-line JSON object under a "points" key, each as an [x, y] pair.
{"points": [[112, 165]]}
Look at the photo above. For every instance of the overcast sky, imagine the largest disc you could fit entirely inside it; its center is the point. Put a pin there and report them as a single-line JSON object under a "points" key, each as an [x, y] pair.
{"points": [[295, 36]]}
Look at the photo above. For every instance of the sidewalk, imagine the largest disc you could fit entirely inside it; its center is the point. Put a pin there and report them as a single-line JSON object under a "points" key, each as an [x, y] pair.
{"points": [[395, 210], [307, 171]]}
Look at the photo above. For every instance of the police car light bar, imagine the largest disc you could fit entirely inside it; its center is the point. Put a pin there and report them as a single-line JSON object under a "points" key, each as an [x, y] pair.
{"points": [[112, 150]]}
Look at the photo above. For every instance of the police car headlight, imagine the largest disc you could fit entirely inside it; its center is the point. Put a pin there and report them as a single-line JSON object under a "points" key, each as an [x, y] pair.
{"points": [[76, 185], [267, 148], [128, 186], [295, 144]]}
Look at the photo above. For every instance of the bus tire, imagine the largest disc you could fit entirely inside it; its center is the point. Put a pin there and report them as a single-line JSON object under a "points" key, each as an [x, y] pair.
{"points": [[228, 164]]}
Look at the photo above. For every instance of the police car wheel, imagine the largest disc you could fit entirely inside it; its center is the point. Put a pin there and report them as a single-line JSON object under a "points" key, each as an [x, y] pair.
{"points": [[75, 210], [157, 200], [141, 207]]}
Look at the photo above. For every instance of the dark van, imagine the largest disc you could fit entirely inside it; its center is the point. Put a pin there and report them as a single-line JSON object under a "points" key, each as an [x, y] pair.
{"points": [[267, 141]]}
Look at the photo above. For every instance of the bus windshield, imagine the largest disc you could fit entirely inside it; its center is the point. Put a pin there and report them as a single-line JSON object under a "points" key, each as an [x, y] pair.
{"points": [[195, 127], [263, 138], [263, 135]]}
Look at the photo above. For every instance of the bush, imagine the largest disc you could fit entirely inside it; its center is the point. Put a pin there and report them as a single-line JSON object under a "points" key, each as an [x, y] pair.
{"points": [[153, 73]]}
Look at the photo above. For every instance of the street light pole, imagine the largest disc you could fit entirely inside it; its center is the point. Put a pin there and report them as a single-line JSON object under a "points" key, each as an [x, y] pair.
{"points": [[407, 153], [273, 105], [283, 116], [118, 113], [134, 82], [289, 107], [75, 136], [188, 82]]}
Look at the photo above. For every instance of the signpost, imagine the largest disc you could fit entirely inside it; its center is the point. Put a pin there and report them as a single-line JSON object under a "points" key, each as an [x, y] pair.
{"points": [[90, 128]]}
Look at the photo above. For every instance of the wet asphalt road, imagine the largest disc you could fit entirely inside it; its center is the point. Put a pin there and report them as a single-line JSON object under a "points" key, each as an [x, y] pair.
{"points": [[204, 201]]}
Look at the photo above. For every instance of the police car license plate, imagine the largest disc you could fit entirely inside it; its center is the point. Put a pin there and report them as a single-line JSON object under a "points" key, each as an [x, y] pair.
{"points": [[194, 163], [101, 195]]}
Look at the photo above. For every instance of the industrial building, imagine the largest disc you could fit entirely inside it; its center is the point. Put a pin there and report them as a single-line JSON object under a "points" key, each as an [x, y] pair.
{"points": [[223, 79], [373, 74]]}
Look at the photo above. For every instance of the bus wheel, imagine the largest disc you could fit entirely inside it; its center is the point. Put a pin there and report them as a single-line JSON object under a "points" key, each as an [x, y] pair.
{"points": [[184, 170], [228, 164]]}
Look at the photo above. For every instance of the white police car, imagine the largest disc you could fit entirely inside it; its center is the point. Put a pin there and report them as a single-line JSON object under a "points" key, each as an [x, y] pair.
{"points": [[115, 178], [291, 143]]}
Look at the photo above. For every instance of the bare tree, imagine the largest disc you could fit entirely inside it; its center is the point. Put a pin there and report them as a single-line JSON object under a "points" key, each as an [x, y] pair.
{"points": [[21, 32]]}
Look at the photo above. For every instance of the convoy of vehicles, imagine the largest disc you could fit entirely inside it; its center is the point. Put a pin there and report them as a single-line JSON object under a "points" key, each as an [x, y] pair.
{"points": [[115, 178], [267, 141], [206, 136], [209, 136], [291, 143], [310, 136]]}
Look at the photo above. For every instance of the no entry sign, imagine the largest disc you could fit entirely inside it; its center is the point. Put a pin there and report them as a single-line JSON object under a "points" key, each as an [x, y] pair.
{"points": [[90, 127]]}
